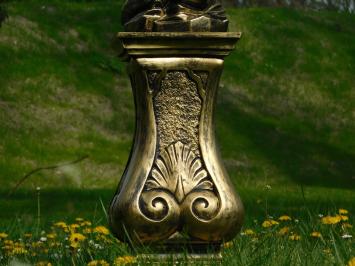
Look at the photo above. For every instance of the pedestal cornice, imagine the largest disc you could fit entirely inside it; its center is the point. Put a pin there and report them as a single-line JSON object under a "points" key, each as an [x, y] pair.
{"points": [[176, 44]]}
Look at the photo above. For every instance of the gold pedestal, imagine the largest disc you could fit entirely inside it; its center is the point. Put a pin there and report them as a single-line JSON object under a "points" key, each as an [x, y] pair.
{"points": [[175, 192]]}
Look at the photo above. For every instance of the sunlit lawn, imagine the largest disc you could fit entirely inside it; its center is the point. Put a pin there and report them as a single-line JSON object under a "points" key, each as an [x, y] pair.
{"points": [[69, 227], [284, 240]]}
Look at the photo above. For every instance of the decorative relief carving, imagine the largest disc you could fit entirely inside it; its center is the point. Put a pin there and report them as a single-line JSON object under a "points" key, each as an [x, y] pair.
{"points": [[177, 107], [178, 183], [180, 171]]}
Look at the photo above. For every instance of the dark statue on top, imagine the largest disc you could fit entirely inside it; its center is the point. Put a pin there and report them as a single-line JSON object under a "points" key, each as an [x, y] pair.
{"points": [[174, 16]]}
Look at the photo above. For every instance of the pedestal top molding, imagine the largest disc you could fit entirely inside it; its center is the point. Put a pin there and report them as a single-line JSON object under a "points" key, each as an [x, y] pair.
{"points": [[167, 44]]}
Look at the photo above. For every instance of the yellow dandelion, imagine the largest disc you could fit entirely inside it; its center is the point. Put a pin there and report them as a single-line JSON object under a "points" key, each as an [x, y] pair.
{"points": [[51, 236], [294, 237], [266, 224], [283, 231], [269, 223], [343, 211], [75, 239], [344, 218], [102, 230], [316, 234], [228, 244], [85, 223], [98, 263], [331, 219], [249, 232], [351, 262], [285, 218], [61, 224], [9, 242], [103, 238], [3, 235], [43, 263], [125, 260], [19, 250], [37, 244], [347, 225], [87, 231], [73, 227]]}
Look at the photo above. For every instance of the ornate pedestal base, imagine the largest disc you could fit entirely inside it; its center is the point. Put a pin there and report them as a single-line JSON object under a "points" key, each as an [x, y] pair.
{"points": [[175, 183]]}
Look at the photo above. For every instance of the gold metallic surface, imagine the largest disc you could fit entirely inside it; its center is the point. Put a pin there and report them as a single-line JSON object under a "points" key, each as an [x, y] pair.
{"points": [[175, 186], [173, 44]]}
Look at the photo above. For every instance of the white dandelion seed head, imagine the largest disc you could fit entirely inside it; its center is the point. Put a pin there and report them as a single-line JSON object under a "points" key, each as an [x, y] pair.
{"points": [[98, 246], [346, 236]]}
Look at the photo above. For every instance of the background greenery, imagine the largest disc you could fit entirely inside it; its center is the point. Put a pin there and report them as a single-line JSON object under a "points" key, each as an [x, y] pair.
{"points": [[285, 118]]}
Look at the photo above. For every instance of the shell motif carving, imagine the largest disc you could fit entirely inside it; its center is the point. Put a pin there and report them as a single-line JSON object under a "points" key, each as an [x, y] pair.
{"points": [[179, 171]]}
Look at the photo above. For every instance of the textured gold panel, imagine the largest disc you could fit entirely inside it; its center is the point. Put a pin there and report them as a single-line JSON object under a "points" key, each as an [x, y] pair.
{"points": [[177, 107]]}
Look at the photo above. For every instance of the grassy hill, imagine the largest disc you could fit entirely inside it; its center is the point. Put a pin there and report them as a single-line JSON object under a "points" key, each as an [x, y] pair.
{"points": [[285, 114]]}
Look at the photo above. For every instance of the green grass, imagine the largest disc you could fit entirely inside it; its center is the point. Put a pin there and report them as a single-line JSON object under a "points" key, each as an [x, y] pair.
{"points": [[264, 247], [284, 118], [285, 108]]}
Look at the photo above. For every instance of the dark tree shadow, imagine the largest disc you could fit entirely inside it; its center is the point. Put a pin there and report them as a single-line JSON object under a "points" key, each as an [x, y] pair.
{"points": [[3, 14], [304, 160]]}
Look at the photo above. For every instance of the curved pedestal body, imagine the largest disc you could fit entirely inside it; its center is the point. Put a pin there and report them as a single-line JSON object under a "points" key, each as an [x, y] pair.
{"points": [[175, 182]]}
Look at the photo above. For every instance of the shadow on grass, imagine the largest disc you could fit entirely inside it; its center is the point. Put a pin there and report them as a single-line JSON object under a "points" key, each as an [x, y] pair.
{"points": [[301, 158]]}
